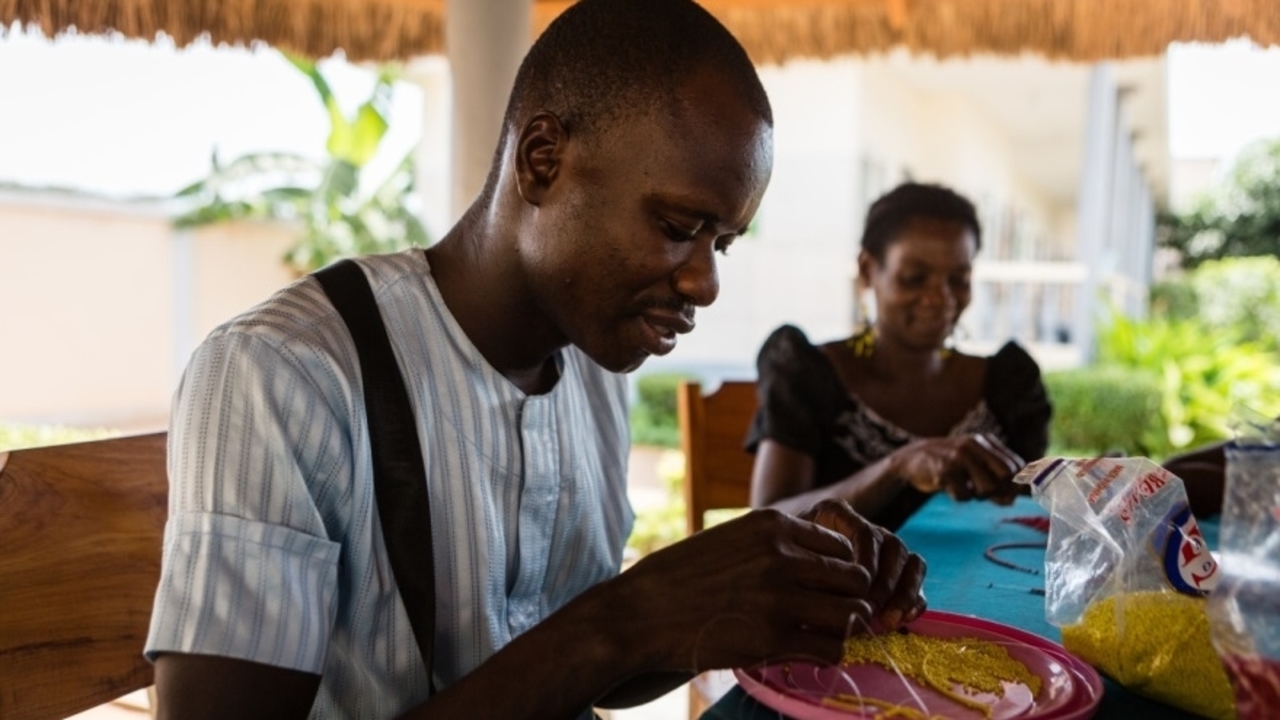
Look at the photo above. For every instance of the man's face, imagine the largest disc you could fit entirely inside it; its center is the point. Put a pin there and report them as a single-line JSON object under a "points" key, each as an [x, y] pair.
{"points": [[923, 284], [626, 238]]}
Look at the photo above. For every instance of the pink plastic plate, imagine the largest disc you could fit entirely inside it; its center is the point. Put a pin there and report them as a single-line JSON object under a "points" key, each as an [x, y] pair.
{"points": [[1070, 689]]}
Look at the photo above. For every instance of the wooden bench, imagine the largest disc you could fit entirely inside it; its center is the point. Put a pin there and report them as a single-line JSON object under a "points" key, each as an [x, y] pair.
{"points": [[81, 528]]}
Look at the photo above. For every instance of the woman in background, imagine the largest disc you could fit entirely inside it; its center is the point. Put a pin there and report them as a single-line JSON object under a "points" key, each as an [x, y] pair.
{"points": [[893, 414]]}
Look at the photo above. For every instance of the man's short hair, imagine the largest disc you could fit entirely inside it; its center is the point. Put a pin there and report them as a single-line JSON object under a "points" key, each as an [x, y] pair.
{"points": [[604, 61]]}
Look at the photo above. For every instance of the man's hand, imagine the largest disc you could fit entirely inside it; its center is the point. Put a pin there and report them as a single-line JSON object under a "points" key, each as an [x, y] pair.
{"points": [[966, 467], [769, 586], [897, 574]]}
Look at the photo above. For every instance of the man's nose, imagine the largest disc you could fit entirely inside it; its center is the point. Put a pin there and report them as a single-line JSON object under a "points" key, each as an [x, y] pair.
{"points": [[696, 279]]}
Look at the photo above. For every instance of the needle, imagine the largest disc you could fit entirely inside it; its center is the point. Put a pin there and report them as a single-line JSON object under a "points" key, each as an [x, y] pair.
{"points": [[1030, 590]]}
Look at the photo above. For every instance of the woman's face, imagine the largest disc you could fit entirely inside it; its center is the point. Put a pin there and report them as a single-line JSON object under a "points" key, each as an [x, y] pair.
{"points": [[922, 285]]}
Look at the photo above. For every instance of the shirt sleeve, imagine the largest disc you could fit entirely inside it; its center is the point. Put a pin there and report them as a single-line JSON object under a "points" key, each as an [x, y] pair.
{"points": [[1016, 395], [248, 569], [797, 392]]}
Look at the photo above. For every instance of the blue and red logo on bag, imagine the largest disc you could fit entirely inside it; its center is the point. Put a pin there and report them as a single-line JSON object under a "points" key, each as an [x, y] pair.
{"points": [[1188, 564]]}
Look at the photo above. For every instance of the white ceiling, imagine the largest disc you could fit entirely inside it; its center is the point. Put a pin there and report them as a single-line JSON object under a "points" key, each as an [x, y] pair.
{"points": [[1041, 106]]}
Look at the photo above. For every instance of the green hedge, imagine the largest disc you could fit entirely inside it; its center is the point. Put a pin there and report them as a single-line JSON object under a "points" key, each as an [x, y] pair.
{"points": [[653, 418], [1098, 410], [16, 437]]}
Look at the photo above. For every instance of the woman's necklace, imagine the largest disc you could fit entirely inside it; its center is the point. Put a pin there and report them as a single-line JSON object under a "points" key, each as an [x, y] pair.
{"points": [[863, 344]]}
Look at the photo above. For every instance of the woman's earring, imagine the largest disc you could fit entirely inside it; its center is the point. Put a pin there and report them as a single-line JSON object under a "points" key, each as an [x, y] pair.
{"points": [[863, 342]]}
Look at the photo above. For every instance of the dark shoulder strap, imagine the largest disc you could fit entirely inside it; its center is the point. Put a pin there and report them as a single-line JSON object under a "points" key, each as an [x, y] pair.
{"points": [[399, 478]]}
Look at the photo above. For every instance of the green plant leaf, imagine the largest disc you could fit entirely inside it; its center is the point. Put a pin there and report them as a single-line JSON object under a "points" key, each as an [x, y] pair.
{"points": [[341, 133], [366, 134], [1202, 372], [340, 181], [325, 198]]}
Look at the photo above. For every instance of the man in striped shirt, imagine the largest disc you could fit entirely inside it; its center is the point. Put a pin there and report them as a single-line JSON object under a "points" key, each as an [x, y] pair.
{"points": [[637, 144]]}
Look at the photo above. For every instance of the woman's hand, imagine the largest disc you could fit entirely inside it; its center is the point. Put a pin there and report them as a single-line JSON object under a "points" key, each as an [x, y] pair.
{"points": [[965, 466]]}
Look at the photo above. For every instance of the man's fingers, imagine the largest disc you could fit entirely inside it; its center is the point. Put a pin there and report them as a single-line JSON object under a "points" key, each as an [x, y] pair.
{"points": [[907, 601], [895, 573], [814, 646], [822, 539], [818, 612], [864, 537], [892, 561], [830, 575]]}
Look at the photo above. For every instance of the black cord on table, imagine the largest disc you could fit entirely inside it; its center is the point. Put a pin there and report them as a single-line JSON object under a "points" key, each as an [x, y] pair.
{"points": [[990, 554]]}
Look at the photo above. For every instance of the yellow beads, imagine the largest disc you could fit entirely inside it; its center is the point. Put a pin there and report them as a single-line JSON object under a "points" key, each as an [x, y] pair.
{"points": [[883, 709], [1157, 644], [944, 664]]}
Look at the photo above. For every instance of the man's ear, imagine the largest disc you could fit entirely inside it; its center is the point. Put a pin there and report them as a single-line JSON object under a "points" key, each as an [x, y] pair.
{"points": [[539, 151]]}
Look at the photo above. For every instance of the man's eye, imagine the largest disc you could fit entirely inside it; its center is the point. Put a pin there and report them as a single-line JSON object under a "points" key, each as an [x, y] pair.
{"points": [[677, 232], [722, 246]]}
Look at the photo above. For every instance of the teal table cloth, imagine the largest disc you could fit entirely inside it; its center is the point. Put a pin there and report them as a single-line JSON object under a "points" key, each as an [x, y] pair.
{"points": [[953, 539]]}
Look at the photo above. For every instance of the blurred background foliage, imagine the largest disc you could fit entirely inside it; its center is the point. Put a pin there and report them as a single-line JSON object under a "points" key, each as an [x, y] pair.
{"points": [[654, 419], [16, 437], [1175, 379], [1096, 409], [1210, 346], [1238, 217], [339, 216], [1237, 296], [662, 524]]}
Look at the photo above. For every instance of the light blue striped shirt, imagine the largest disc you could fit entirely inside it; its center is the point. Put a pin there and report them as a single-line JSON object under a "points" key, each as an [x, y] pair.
{"points": [[273, 551]]}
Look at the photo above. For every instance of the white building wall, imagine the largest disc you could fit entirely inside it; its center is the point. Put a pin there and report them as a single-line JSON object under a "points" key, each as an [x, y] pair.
{"points": [[945, 138], [102, 303]]}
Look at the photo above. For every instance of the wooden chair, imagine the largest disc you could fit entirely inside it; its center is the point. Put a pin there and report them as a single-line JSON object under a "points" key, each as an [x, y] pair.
{"points": [[81, 528], [717, 471]]}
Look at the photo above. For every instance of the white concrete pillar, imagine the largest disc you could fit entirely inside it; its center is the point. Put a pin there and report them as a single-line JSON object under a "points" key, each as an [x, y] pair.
{"points": [[433, 155], [1111, 260], [485, 40], [1094, 204]]}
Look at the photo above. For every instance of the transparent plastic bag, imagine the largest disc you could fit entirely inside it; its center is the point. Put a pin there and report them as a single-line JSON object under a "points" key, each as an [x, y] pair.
{"points": [[1126, 575], [1244, 610]]}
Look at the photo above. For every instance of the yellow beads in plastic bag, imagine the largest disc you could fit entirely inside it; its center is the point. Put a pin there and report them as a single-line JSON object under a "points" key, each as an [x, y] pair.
{"points": [[1157, 644]]}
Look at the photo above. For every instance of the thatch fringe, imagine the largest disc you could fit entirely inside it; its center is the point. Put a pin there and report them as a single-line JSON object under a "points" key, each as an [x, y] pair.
{"points": [[771, 30], [775, 31], [363, 29]]}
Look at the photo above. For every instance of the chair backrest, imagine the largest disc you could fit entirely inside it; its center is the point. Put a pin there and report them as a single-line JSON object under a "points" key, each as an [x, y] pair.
{"points": [[712, 430], [81, 528]]}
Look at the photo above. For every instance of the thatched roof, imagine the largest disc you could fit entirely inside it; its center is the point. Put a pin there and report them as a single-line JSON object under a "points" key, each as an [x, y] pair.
{"points": [[364, 29], [772, 30]]}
